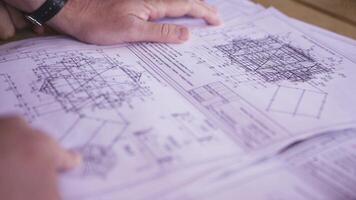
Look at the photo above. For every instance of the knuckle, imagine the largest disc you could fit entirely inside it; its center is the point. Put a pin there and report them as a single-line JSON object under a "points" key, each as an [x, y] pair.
{"points": [[130, 28], [86, 35], [165, 30], [131, 25]]}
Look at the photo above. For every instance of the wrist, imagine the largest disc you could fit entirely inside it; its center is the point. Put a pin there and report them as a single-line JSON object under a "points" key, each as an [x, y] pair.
{"points": [[65, 20], [46, 12]]}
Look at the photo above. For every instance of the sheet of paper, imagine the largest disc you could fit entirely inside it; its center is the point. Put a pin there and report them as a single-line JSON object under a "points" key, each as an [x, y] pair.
{"points": [[234, 9], [253, 78], [149, 118], [234, 98], [322, 168], [341, 44], [130, 126], [135, 132]]}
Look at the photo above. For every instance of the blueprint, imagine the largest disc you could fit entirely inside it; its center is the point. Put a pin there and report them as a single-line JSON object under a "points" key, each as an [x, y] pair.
{"points": [[127, 123], [235, 10], [321, 168], [155, 120], [252, 78]]}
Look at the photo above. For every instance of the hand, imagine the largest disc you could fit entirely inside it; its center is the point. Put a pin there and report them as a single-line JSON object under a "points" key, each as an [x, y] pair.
{"points": [[29, 162], [117, 21]]}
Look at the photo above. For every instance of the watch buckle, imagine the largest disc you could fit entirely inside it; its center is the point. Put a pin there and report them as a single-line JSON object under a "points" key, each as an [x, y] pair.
{"points": [[33, 21]]}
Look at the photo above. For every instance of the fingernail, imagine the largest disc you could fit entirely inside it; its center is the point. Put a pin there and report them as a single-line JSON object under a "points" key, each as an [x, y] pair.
{"points": [[182, 33], [219, 21], [216, 21]]}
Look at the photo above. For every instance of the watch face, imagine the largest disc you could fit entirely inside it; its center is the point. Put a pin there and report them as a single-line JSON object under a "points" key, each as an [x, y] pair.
{"points": [[33, 21]]}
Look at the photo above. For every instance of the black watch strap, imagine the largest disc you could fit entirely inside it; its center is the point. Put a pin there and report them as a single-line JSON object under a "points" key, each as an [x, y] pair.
{"points": [[46, 12]]}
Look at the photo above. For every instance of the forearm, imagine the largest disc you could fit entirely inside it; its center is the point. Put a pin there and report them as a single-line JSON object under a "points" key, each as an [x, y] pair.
{"points": [[25, 5]]}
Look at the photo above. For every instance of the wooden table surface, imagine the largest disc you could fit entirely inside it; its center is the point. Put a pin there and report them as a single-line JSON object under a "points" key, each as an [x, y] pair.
{"points": [[336, 15]]}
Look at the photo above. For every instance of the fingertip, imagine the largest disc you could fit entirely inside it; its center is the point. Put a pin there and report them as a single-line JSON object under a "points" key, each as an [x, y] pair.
{"points": [[70, 161], [215, 21], [219, 22], [76, 158]]}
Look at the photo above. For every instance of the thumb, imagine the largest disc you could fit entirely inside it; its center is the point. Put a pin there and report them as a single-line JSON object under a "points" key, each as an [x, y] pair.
{"points": [[165, 33], [67, 160]]}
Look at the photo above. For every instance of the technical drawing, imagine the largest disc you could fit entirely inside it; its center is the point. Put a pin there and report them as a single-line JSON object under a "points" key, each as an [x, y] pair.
{"points": [[272, 59], [165, 149], [94, 89], [157, 151], [297, 102], [226, 106], [97, 160], [153, 114], [99, 101], [216, 98], [8, 85], [78, 83], [146, 153]]}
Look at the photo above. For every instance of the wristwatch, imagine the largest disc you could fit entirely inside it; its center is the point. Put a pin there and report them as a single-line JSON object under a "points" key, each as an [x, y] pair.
{"points": [[46, 12]]}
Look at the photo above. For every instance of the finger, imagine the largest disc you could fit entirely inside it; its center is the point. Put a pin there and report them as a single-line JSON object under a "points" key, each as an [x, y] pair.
{"points": [[66, 159], [7, 29], [17, 18], [178, 8], [212, 8], [208, 13], [152, 32], [40, 30], [48, 148]]}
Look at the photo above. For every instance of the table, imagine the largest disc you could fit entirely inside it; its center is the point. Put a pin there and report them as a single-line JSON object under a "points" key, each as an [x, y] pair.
{"points": [[335, 15]]}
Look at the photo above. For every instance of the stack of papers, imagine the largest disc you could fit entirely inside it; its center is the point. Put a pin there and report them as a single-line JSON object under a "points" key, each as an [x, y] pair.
{"points": [[260, 108]]}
